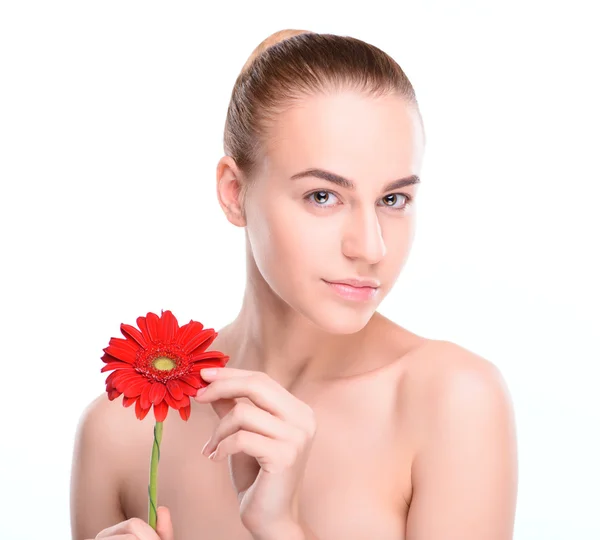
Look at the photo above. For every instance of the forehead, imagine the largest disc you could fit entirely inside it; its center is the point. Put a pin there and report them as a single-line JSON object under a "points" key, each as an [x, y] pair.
{"points": [[348, 132]]}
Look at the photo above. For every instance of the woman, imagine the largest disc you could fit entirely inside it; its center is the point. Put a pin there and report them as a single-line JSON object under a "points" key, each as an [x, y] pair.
{"points": [[330, 421]]}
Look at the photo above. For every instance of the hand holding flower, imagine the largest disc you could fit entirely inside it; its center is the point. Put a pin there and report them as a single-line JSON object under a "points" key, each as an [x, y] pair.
{"points": [[138, 529], [266, 441]]}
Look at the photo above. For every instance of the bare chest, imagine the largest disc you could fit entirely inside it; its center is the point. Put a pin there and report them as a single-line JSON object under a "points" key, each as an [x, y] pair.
{"points": [[355, 485]]}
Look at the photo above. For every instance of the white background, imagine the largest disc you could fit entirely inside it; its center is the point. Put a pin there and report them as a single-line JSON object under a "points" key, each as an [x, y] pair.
{"points": [[111, 124]]}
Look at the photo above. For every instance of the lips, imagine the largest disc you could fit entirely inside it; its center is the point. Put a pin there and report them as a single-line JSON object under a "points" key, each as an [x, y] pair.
{"points": [[351, 292], [354, 282]]}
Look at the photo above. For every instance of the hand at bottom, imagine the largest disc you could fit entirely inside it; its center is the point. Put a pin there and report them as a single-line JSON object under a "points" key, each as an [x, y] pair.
{"points": [[138, 529]]}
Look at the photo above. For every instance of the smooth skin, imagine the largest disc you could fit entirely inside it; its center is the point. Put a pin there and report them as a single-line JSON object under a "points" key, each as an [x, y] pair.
{"points": [[443, 411]]}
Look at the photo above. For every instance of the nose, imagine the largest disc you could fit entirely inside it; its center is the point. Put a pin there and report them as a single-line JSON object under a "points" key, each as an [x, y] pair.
{"points": [[362, 237]]}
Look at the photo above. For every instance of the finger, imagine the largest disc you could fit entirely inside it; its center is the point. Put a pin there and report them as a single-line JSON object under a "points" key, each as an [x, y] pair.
{"points": [[127, 536], [272, 455], [263, 391], [225, 373], [250, 418], [136, 527], [223, 406], [164, 525]]}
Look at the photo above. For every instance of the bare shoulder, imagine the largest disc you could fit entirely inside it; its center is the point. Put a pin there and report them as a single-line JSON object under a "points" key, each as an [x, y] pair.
{"points": [[429, 371], [442, 371], [441, 357], [446, 368], [106, 440], [110, 425], [465, 465]]}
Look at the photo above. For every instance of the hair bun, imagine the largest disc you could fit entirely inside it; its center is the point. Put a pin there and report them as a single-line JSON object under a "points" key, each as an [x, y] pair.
{"points": [[271, 40]]}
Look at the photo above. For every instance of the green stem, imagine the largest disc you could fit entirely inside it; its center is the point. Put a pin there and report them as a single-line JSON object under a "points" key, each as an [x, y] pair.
{"points": [[158, 428]]}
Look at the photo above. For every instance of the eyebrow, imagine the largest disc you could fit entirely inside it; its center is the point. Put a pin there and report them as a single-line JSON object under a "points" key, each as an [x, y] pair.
{"points": [[346, 183]]}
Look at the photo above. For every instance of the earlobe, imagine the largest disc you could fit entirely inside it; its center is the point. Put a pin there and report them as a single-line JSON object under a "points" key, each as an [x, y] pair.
{"points": [[235, 216]]}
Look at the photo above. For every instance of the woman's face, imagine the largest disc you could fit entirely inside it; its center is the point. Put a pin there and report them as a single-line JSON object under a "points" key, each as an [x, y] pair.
{"points": [[306, 231]]}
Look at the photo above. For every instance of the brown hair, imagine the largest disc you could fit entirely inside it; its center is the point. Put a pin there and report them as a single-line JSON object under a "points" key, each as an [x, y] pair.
{"points": [[291, 64]]}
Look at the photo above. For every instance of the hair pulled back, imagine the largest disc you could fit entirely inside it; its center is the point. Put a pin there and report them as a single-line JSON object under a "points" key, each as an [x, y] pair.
{"points": [[292, 64]]}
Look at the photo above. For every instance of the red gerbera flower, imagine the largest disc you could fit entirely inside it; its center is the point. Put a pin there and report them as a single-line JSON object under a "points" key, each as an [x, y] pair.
{"points": [[159, 365]]}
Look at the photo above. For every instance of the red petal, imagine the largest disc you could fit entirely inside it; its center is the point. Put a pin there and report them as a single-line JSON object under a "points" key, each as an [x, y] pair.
{"points": [[177, 403], [108, 358], [134, 389], [110, 378], [122, 349], [200, 341], [152, 326], [217, 356], [185, 401], [145, 397], [211, 362], [187, 330], [128, 401], [174, 389], [188, 389], [170, 401], [139, 411], [184, 412], [160, 411], [131, 331], [141, 322], [125, 377], [191, 380], [115, 365], [157, 392], [114, 394], [121, 383], [168, 326]]}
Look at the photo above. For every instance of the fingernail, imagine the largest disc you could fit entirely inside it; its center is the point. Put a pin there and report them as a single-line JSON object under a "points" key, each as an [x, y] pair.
{"points": [[212, 456], [208, 372], [201, 391], [204, 447]]}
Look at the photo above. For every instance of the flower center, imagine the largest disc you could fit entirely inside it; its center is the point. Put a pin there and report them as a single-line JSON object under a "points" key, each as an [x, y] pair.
{"points": [[163, 363]]}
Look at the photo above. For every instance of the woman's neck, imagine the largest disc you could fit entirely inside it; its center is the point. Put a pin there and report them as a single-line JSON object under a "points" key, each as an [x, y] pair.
{"points": [[273, 338]]}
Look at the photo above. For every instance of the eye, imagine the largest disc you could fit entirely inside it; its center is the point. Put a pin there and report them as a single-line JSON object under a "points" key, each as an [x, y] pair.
{"points": [[394, 198], [323, 196], [320, 198]]}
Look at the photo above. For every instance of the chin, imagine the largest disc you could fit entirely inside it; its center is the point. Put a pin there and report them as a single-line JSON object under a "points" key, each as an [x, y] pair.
{"points": [[338, 319]]}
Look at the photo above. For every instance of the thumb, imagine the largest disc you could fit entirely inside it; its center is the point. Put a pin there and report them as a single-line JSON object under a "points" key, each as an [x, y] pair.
{"points": [[164, 525]]}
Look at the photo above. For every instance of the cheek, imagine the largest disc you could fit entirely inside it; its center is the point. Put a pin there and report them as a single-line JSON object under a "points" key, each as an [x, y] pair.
{"points": [[398, 241], [300, 239], [287, 244]]}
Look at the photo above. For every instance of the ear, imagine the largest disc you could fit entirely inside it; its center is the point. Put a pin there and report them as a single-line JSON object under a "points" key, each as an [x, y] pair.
{"points": [[229, 184]]}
